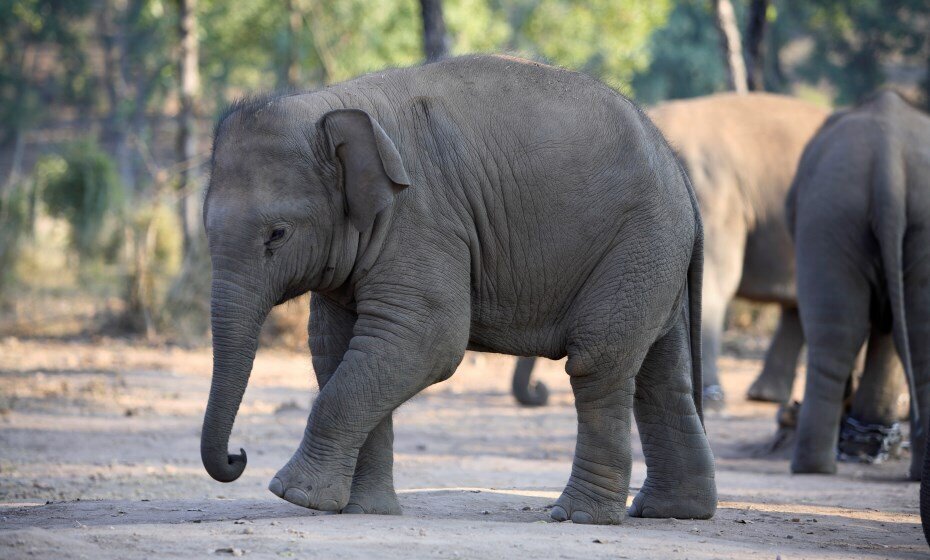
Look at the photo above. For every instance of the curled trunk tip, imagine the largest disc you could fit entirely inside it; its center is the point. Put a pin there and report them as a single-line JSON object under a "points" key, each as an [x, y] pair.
{"points": [[222, 470]]}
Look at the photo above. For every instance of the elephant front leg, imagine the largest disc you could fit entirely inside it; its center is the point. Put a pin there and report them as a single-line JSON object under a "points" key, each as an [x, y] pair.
{"points": [[345, 459], [373, 481], [372, 490], [776, 381]]}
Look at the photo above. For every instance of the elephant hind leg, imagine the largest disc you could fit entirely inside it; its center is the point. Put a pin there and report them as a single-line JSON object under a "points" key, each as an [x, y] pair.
{"points": [[833, 345], [775, 382], [600, 480], [680, 466]]}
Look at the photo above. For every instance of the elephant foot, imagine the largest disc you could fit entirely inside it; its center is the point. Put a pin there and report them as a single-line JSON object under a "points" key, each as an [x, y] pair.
{"points": [[694, 501], [809, 462], [764, 390], [580, 507], [299, 482], [868, 443], [383, 502], [714, 399]]}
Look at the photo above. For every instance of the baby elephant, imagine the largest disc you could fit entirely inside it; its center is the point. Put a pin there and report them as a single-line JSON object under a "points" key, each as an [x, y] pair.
{"points": [[482, 203], [859, 210]]}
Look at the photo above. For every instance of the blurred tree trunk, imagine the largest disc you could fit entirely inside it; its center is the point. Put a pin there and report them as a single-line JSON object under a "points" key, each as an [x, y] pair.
{"points": [[435, 39], [755, 37], [927, 80], [188, 184], [730, 43], [113, 25], [295, 27]]}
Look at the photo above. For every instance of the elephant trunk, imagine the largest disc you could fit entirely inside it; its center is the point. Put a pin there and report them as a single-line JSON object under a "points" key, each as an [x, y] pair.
{"points": [[527, 393], [237, 314]]}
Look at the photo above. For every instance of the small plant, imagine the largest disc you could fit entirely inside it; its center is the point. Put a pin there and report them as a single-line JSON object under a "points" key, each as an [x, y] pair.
{"points": [[87, 193], [15, 224]]}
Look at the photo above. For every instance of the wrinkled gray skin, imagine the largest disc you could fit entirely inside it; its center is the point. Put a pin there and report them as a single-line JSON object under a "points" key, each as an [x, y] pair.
{"points": [[740, 152], [484, 203], [860, 215]]}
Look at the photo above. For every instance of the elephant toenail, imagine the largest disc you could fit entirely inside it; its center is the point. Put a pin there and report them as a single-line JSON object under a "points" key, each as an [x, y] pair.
{"points": [[353, 508], [582, 517], [298, 497], [328, 505], [558, 513], [276, 487]]}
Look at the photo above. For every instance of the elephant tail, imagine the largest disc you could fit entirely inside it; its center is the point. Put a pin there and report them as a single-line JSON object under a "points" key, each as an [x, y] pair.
{"points": [[889, 222], [695, 279]]}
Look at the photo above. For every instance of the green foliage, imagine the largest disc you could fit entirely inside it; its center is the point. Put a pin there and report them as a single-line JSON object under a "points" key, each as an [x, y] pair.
{"points": [[853, 40], [24, 24], [86, 192], [605, 38], [686, 58], [475, 26], [245, 45]]}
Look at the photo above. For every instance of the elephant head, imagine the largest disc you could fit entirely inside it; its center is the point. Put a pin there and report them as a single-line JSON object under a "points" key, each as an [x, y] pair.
{"points": [[292, 203]]}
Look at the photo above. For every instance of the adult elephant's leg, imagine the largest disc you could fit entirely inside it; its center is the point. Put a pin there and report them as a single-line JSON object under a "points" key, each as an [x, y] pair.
{"points": [[878, 394], [925, 497], [917, 302], [680, 466], [724, 244], [712, 320], [775, 382], [869, 430], [834, 303], [330, 331], [525, 391]]}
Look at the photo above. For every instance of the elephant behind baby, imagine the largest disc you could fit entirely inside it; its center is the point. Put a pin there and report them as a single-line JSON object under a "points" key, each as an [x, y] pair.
{"points": [[859, 210], [740, 152]]}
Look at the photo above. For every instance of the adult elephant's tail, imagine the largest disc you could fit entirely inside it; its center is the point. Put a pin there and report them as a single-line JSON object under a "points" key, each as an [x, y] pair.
{"points": [[889, 222], [695, 279]]}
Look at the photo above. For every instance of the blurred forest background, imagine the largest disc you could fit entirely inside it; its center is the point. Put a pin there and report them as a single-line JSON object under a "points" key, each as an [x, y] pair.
{"points": [[107, 109]]}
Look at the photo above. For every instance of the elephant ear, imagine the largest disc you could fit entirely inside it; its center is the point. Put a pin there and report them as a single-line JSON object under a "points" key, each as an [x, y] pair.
{"points": [[372, 170]]}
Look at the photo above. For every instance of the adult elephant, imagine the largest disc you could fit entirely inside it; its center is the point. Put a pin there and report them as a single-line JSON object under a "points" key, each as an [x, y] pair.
{"points": [[741, 152], [859, 211]]}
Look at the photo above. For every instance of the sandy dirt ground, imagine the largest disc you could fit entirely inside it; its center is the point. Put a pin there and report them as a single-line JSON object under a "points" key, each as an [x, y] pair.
{"points": [[99, 458]]}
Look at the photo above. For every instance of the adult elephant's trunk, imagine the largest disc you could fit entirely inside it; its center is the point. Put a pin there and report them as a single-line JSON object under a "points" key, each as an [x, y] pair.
{"points": [[526, 392], [237, 313]]}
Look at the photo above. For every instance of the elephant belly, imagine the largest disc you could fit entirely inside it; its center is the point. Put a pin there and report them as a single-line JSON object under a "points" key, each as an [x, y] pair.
{"points": [[517, 337], [768, 266]]}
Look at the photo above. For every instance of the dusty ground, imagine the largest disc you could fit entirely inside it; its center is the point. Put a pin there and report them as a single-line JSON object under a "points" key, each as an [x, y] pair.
{"points": [[99, 458]]}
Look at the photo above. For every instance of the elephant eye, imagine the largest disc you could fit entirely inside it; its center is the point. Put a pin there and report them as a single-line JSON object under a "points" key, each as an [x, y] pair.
{"points": [[276, 233]]}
